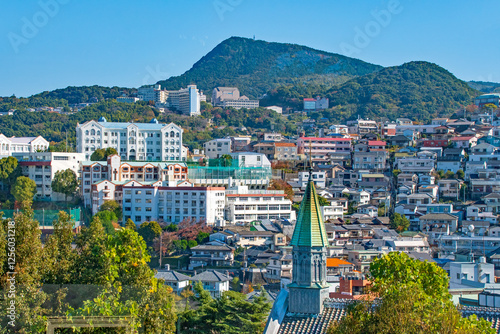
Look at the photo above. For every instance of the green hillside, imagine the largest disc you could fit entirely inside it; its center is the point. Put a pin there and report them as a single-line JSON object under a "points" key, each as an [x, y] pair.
{"points": [[417, 90], [84, 94], [485, 86], [258, 66]]}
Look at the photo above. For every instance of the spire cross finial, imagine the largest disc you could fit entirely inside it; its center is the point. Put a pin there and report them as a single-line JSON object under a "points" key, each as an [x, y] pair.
{"points": [[310, 160]]}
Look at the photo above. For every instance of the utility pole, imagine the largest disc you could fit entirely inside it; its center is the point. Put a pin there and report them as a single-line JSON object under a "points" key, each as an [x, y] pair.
{"points": [[161, 234]]}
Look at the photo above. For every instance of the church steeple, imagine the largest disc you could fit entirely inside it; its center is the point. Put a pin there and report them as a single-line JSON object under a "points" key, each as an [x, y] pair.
{"points": [[310, 230], [309, 288]]}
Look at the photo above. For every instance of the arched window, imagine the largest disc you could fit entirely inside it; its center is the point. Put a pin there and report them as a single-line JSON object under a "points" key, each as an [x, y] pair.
{"points": [[87, 132], [98, 132], [172, 134], [92, 132], [177, 134]]}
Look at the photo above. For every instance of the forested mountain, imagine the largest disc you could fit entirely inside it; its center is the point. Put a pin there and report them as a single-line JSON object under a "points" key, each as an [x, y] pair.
{"points": [[485, 87], [85, 94], [417, 90], [258, 66]]}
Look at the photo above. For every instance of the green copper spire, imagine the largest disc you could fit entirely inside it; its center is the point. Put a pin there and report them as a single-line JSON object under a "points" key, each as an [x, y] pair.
{"points": [[310, 230]]}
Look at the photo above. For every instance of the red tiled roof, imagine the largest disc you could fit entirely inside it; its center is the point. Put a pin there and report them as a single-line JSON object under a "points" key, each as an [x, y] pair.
{"points": [[325, 138], [462, 138], [377, 143]]}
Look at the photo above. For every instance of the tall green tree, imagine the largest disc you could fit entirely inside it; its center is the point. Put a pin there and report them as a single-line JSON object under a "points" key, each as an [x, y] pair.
{"points": [[413, 298], [58, 253], [149, 231], [92, 265], [23, 191], [102, 154], [399, 222], [231, 313], [107, 218], [26, 247], [130, 224], [9, 172], [114, 207], [65, 182], [127, 252]]}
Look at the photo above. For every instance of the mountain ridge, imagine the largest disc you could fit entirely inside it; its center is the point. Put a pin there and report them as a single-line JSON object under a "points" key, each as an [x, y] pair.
{"points": [[255, 66]]}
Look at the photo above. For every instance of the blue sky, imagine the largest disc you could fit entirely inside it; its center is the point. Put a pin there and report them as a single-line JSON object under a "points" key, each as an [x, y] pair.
{"points": [[51, 44]]}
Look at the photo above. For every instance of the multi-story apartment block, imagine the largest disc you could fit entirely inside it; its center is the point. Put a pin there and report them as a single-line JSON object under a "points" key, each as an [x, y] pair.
{"points": [[41, 167], [186, 100], [438, 224], [449, 188], [148, 202], [216, 148], [319, 179], [362, 127], [245, 206], [133, 141], [211, 254], [119, 172], [155, 94], [416, 165], [247, 168], [322, 148], [277, 151], [373, 160], [11, 145], [484, 152]]}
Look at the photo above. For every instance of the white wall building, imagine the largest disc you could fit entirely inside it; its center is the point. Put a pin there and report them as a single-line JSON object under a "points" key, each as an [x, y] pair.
{"points": [[118, 173], [133, 141], [172, 204], [41, 167], [216, 148], [481, 272], [230, 97], [11, 145], [155, 94], [245, 206], [319, 179]]}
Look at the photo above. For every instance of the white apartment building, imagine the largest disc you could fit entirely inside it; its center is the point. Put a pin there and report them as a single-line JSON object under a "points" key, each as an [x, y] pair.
{"points": [[41, 167], [186, 100], [245, 206], [172, 204], [333, 211], [216, 148], [155, 94], [319, 179], [11, 145], [416, 165], [118, 173], [133, 141]]}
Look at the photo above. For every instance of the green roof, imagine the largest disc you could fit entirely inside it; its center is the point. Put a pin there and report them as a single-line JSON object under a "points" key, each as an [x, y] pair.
{"points": [[310, 230]]}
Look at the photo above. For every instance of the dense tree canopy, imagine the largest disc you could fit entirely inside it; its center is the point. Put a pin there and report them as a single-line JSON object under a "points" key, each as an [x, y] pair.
{"points": [[412, 298]]}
